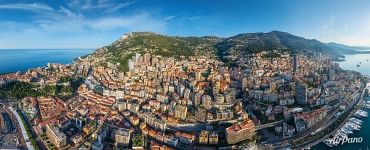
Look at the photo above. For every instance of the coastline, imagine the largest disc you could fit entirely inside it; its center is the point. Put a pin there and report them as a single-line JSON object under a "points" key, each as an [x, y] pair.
{"points": [[356, 107]]}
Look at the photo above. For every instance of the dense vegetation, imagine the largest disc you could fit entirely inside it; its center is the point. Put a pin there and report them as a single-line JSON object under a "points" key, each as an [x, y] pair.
{"points": [[275, 40], [167, 46], [123, 61], [137, 140], [18, 90], [64, 91]]}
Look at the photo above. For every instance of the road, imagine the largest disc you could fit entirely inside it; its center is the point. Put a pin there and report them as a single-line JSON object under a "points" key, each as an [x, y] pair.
{"points": [[12, 125], [24, 132]]}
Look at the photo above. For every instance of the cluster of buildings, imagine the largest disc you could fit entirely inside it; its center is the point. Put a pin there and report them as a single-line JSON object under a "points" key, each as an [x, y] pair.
{"points": [[44, 76], [173, 100], [305, 120], [155, 98], [302, 88]]}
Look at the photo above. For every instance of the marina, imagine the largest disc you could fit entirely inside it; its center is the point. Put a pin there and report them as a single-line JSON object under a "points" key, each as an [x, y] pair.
{"points": [[355, 127], [361, 113], [366, 105], [352, 125]]}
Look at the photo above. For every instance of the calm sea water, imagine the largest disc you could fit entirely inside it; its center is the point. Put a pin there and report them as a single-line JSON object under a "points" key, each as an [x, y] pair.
{"points": [[350, 64], [22, 59], [357, 59]]}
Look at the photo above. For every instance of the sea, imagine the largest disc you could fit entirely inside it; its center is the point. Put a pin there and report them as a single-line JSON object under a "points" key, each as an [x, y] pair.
{"points": [[350, 63], [13, 60]]}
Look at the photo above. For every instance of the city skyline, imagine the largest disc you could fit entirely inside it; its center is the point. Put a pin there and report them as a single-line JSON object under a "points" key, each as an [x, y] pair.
{"points": [[92, 24], [135, 74]]}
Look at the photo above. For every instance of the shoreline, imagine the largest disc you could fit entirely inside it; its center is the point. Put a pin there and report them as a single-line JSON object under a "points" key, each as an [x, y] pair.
{"points": [[355, 108]]}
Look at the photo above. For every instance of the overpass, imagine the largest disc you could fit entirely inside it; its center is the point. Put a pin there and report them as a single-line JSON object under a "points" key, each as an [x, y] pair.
{"points": [[268, 125]]}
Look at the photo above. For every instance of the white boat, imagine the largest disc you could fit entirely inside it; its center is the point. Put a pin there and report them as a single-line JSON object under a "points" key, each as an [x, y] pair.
{"points": [[353, 126], [328, 142], [356, 121], [346, 131], [342, 135], [361, 113]]}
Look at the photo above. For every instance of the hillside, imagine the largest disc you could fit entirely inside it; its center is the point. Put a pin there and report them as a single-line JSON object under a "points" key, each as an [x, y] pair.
{"points": [[257, 42], [146, 42], [120, 51]]}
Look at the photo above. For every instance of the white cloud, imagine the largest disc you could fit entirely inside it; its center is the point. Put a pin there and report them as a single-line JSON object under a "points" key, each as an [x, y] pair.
{"points": [[71, 20], [107, 6], [68, 12], [119, 6], [66, 27], [73, 25], [33, 6], [169, 18]]}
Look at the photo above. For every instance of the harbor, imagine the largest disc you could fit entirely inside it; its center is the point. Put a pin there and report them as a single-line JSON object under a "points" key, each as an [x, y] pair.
{"points": [[352, 125], [366, 105], [352, 128]]}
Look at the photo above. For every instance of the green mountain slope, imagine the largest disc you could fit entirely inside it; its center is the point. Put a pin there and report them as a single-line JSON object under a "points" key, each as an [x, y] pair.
{"points": [[225, 48], [275, 40], [146, 42]]}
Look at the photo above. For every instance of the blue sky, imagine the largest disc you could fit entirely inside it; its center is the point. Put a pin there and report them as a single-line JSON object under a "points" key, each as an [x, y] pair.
{"points": [[95, 23]]}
